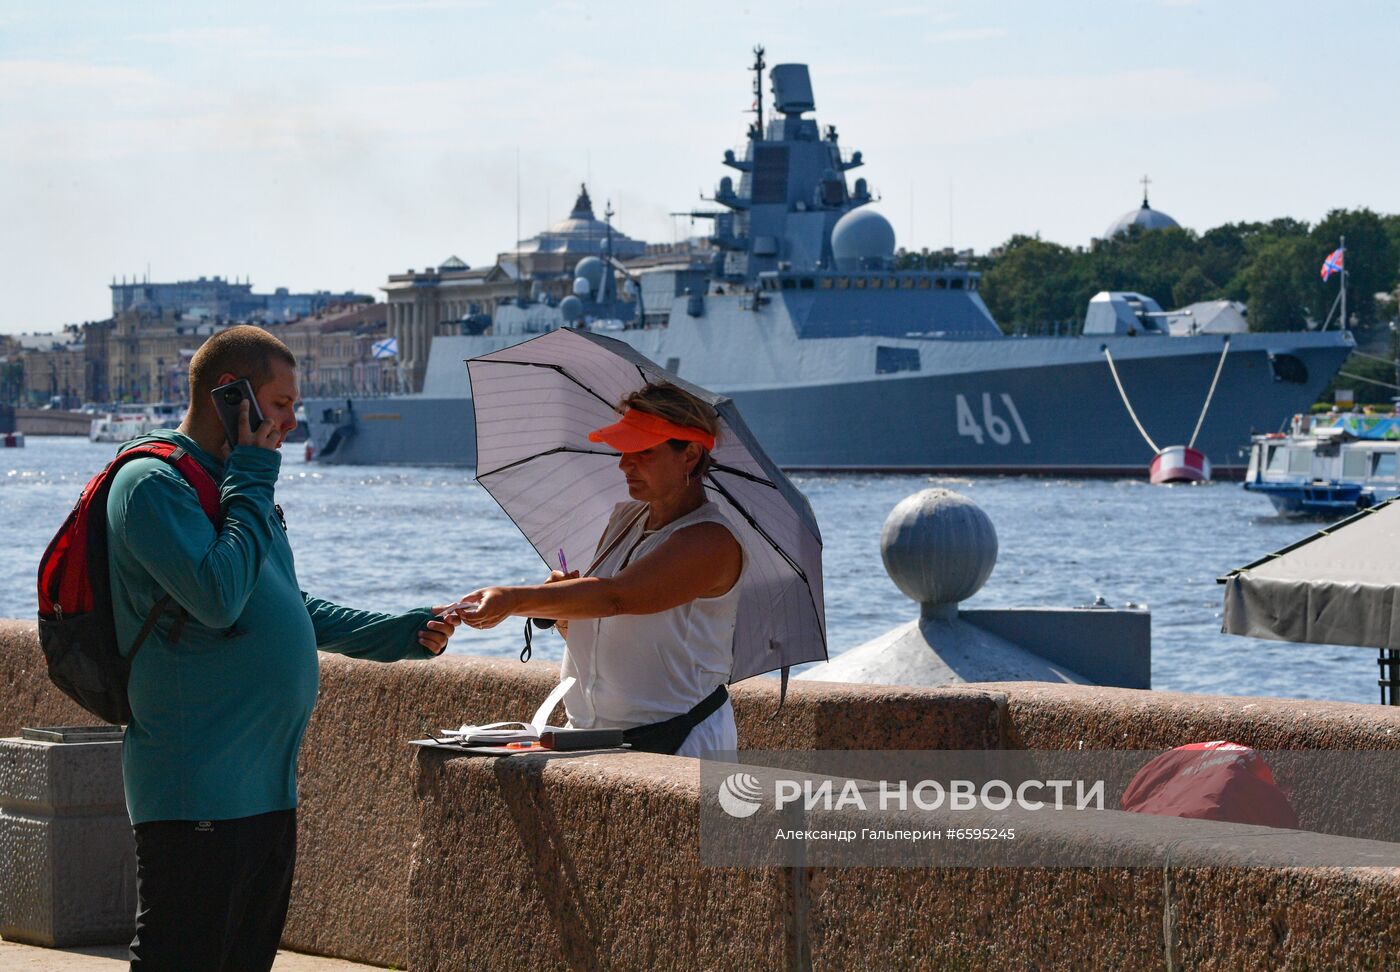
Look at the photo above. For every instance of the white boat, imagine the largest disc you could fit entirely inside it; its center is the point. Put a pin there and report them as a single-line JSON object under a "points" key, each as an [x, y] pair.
{"points": [[1327, 465], [129, 421]]}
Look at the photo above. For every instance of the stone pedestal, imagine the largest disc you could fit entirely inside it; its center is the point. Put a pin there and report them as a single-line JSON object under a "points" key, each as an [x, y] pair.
{"points": [[67, 856]]}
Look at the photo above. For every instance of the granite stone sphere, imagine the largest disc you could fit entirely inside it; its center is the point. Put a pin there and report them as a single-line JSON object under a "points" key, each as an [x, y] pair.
{"points": [[571, 308], [938, 546]]}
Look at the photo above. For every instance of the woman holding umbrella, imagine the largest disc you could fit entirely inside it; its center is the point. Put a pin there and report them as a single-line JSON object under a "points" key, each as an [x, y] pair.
{"points": [[650, 630]]}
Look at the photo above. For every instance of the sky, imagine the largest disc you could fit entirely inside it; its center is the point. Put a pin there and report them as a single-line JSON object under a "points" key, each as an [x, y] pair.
{"points": [[323, 146]]}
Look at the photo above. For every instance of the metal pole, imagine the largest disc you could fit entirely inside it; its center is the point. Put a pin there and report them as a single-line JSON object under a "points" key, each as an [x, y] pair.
{"points": [[1389, 661], [1344, 283]]}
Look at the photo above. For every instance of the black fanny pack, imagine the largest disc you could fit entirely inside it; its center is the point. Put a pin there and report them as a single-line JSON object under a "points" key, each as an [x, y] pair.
{"points": [[669, 736]]}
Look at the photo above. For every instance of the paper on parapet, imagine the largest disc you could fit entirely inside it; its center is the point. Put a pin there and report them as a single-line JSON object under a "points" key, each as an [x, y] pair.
{"points": [[504, 732]]}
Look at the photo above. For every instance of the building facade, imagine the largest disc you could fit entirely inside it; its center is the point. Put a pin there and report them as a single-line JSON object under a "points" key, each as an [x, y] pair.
{"points": [[144, 356], [54, 372], [452, 298], [217, 299]]}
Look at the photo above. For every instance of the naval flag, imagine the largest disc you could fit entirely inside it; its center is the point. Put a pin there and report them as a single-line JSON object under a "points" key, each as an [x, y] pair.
{"points": [[387, 348], [1333, 263]]}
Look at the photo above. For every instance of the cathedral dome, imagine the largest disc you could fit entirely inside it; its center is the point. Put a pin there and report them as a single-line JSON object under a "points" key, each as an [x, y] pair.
{"points": [[1144, 216]]}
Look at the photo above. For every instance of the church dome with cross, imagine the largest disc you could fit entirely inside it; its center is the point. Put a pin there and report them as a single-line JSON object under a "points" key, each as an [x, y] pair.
{"points": [[1144, 216]]}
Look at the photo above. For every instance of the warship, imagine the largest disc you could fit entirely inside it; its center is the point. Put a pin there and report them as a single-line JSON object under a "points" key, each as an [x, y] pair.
{"points": [[839, 361]]}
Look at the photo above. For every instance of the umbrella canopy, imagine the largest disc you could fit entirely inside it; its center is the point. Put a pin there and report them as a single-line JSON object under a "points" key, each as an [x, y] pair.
{"points": [[1340, 586], [535, 404]]}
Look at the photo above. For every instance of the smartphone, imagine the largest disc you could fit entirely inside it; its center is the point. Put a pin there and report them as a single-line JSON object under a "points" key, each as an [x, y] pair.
{"points": [[227, 398]]}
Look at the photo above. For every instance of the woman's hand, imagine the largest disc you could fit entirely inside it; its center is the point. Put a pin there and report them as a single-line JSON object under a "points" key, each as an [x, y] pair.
{"points": [[485, 608], [555, 576]]}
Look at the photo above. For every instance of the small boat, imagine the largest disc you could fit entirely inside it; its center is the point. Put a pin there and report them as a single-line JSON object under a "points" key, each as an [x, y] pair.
{"points": [[129, 421], [1179, 464], [1328, 465]]}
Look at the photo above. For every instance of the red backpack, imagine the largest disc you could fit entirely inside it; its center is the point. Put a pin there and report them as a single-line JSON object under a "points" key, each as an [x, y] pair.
{"points": [[1211, 781], [76, 628]]}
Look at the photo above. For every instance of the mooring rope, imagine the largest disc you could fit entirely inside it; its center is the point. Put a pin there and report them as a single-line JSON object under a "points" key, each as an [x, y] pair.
{"points": [[1127, 404], [1210, 394]]}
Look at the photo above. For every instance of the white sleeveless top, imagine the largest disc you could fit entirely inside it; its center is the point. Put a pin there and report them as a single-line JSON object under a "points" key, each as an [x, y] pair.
{"points": [[635, 669]]}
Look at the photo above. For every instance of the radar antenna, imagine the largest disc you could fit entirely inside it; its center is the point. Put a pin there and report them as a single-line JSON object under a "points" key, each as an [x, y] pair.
{"points": [[758, 66]]}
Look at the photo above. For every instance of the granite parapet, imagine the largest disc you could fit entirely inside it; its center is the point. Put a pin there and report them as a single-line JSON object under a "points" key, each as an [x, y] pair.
{"points": [[1045, 716], [362, 888], [599, 853]]}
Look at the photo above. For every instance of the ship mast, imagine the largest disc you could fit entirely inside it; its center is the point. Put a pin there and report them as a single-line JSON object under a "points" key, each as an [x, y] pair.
{"points": [[758, 67]]}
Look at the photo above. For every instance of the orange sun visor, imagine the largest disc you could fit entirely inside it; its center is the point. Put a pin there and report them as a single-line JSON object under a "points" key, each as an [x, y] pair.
{"points": [[636, 431]]}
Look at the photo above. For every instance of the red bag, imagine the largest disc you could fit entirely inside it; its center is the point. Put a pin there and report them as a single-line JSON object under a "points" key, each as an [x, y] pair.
{"points": [[1211, 781], [76, 629]]}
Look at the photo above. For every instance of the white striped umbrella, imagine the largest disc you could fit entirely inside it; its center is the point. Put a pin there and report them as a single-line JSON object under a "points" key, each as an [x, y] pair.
{"points": [[535, 404]]}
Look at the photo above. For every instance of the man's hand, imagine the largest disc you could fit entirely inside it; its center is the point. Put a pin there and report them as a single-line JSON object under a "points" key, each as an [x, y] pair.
{"points": [[434, 635], [267, 435]]}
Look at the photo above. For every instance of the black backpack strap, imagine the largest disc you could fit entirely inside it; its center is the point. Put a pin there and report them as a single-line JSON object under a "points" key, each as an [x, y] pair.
{"points": [[150, 626]]}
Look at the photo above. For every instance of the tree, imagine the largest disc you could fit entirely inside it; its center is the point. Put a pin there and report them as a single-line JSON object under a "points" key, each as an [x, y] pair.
{"points": [[911, 260], [1372, 392], [1191, 287], [1277, 286], [1032, 283], [11, 380], [1147, 261], [1392, 229]]}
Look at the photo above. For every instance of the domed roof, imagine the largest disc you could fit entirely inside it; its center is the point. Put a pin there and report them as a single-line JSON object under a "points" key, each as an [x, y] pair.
{"points": [[860, 238], [1144, 216], [581, 232]]}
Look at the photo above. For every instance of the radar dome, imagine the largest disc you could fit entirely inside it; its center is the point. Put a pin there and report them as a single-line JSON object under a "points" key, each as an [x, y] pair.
{"points": [[571, 308], [590, 269], [582, 287], [862, 238]]}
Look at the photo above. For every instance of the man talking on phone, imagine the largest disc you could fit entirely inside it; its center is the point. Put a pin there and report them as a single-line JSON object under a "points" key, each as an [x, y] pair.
{"points": [[223, 686]]}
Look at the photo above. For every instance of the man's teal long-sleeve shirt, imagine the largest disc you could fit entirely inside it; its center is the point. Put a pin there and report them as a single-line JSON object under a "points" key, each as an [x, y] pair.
{"points": [[218, 717]]}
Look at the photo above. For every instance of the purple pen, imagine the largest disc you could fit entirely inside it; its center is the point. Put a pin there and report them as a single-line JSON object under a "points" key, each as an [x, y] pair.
{"points": [[563, 564]]}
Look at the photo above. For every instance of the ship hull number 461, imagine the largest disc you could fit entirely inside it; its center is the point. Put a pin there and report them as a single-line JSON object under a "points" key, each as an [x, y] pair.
{"points": [[992, 426]]}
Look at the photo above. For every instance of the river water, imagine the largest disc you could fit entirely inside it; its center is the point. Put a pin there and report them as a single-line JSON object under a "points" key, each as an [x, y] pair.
{"points": [[391, 538]]}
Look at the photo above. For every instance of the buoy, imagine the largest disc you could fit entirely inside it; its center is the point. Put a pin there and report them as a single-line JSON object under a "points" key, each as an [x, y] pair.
{"points": [[14, 440], [1175, 464], [1179, 464], [310, 451]]}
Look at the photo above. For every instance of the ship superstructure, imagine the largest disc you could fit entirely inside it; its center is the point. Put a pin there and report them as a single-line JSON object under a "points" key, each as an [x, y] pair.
{"points": [[839, 361]]}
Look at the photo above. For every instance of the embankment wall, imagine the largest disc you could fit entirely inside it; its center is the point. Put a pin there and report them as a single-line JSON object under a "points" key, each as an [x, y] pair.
{"points": [[364, 892]]}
